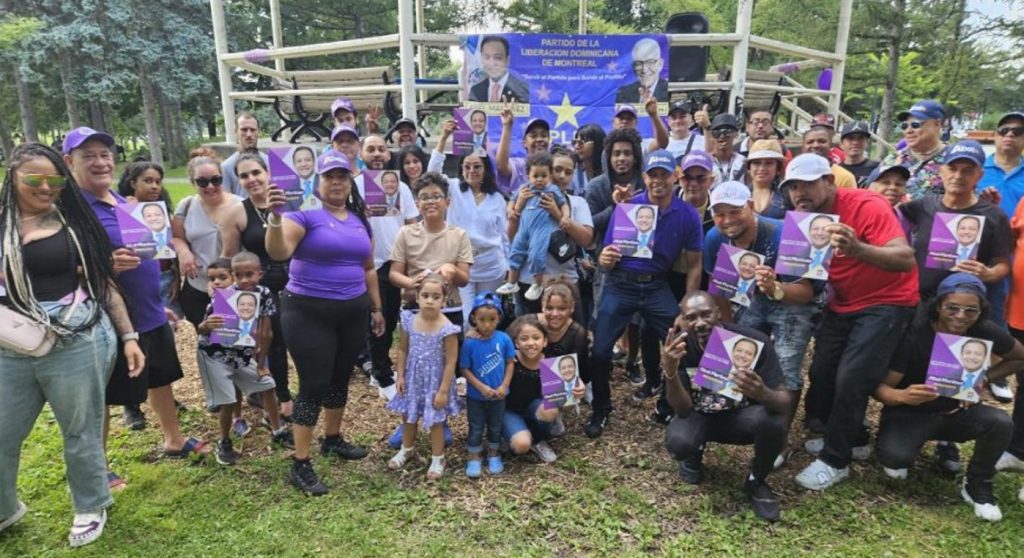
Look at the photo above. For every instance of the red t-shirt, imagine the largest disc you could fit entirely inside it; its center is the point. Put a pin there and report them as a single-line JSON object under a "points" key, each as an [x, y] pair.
{"points": [[856, 285]]}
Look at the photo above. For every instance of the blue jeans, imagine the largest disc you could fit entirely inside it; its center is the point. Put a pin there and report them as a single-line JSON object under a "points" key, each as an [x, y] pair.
{"points": [[529, 253], [790, 326], [996, 295], [72, 378], [851, 357], [621, 297], [513, 423], [489, 414]]}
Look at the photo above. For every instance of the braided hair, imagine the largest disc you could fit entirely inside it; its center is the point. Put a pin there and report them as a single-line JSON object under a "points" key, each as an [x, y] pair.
{"points": [[85, 233]]}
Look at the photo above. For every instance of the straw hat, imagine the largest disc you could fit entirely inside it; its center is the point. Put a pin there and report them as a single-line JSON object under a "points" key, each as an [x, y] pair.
{"points": [[765, 149]]}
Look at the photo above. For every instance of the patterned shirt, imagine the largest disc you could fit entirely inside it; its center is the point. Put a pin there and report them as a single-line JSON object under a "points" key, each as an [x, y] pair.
{"points": [[924, 176]]}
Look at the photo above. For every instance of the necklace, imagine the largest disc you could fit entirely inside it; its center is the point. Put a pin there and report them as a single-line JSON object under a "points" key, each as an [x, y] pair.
{"points": [[262, 213]]}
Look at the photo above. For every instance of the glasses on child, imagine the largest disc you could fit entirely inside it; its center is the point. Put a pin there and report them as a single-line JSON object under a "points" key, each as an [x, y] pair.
{"points": [[430, 198], [956, 309], [915, 125], [54, 181], [1015, 131], [204, 182]]}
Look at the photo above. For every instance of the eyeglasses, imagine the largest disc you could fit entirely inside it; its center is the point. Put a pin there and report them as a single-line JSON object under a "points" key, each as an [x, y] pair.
{"points": [[204, 182], [54, 181], [956, 309], [1015, 131], [761, 122], [649, 65], [722, 132], [915, 125], [430, 198], [698, 178]]}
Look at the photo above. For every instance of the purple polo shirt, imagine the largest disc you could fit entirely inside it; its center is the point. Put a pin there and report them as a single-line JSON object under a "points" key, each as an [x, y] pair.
{"points": [[679, 228], [140, 286]]}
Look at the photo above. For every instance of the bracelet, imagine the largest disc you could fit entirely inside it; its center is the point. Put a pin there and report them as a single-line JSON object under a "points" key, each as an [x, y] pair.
{"points": [[275, 224], [130, 336], [372, 310]]}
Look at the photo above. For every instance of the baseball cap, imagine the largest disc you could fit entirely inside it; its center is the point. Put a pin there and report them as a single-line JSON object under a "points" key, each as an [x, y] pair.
{"points": [[807, 167], [851, 128], [923, 110], [660, 159], [725, 120], [487, 299], [1012, 114], [78, 136], [398, 124], [823, 119], [882, 169], [537, 121], [341, 129], [343, 103], [966, 149], [682, 105], [731, 193], [621, 108], [765, 149], [332, 160], [961, 282], [696, 158]]}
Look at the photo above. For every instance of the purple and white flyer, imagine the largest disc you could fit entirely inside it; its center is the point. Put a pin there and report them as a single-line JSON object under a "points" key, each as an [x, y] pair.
{"points": [[380, 190], [145, 229], [733, 276], [293, 170], [955, 238], [805, 249], [470, 134], [726, 351], [241, 313], [957, 365], [633, 227], [558, 376]]}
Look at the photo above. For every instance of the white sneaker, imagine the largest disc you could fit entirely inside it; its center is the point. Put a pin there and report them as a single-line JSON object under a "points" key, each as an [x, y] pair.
{"points": [[86, 528], [534, 292], [987, 511], [814, 446], [507, 289], [374, 383], [780, 460], [860, 453], [1001, 391], [15, 517], [820, 475], [588, 395], [1010, 462], [544, 452], [558, 428], [388, 393], [895, 474]]}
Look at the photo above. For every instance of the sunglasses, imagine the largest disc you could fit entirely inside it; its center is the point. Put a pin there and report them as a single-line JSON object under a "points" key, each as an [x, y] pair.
{"points": [[54, 181], [1015, 131], [723, 132], [915, 125], [955, 309], [215, 180]]}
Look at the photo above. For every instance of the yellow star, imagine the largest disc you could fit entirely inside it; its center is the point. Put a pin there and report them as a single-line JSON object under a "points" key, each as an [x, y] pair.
{"points": [[566, 112]]}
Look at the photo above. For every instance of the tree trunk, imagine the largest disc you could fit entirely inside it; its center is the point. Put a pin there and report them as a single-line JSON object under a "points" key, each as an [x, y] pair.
{"points": [[74, 117], [28, 118], [895, 51], [5, 139], [148, 111], [96, 119], [178, 130], [166, 138]]}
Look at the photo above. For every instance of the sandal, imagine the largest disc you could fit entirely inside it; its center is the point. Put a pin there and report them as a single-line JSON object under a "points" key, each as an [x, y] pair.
{"points": [[86, 528], [115, 482], [400, 459], [436, 469], [192, 449]]}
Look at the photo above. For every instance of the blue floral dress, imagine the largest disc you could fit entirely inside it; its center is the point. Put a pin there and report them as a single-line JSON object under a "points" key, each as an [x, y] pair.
{"points": [[424, 369]]}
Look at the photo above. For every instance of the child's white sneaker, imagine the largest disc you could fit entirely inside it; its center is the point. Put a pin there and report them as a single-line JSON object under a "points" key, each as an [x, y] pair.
{"points": [[534, 292], [507, 289]]}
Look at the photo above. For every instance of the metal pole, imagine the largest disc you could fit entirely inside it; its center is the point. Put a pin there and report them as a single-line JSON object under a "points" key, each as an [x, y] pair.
{"points": [[406, 57], [842, 40], [744, 12], [583, 17], [275, 29], [421, 51], [220, 45]]}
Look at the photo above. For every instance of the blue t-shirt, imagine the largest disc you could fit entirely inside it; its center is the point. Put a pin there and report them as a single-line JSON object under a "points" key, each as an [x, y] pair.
{"points": [[486, 359], [1010, 185]]}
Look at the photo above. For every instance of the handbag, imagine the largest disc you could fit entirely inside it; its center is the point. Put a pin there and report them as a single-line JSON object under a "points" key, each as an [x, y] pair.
{"points": [[25, 336], [561, 246]]}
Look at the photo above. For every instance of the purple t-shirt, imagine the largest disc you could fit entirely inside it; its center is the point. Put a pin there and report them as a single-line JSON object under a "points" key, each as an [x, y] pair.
{"points": [[328, 263], [140, 286]]}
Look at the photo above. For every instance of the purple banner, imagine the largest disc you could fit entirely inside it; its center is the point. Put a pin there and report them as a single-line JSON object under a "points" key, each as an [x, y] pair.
{"points": [[804, 250], [726, 351], [145, 229], [955, 238], [558, 376], [470, 134], [293, 169], [957, 365], [633, 227], [733, 276], [241, 313], [380, 190]]}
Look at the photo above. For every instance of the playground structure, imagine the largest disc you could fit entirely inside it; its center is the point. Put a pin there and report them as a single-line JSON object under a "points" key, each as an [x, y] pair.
{"points": [[310, 92]]}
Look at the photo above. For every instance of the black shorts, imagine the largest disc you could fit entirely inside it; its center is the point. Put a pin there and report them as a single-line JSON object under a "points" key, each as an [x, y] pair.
{"points": [[162, 368]]}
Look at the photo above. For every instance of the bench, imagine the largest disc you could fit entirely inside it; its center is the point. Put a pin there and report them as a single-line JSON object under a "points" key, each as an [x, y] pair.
{"points": [[310, 115]]}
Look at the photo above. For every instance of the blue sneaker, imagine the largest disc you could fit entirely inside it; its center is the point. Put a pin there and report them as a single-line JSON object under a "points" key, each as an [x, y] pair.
{"points": [[395, 441], [495, 465], [474, 469]]}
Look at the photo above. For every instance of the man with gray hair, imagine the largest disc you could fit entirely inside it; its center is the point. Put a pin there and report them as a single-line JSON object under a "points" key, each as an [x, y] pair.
{"points": [[647, 65]]}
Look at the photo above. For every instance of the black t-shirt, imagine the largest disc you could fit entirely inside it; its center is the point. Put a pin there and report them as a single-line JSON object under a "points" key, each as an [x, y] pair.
{"points": [[524, 388], [920, 213], [767, 367], [573, 341], [861, 170], [915, 350]]}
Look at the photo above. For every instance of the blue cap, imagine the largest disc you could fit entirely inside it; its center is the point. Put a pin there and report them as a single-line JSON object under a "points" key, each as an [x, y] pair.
{"points": [[660, 159], [487, 299], [966, 149], [924, 110], [332, 160], [882, 169], [961, 282]]}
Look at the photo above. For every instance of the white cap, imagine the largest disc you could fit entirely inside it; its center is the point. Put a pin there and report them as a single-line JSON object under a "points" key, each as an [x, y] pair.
{"points": [[733, 193], [807, 167]]}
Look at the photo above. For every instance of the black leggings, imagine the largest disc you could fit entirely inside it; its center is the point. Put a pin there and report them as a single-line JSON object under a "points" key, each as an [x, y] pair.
{"points": [[324, 337], [193, 303], [278, 355]]}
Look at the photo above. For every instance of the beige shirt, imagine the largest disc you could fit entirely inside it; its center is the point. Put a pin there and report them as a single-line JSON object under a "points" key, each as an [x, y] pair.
{"points": [[419, 249]]}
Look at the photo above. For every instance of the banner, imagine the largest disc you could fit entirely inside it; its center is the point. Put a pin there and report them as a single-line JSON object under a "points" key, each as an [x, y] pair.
{"points": [[568, 80]]}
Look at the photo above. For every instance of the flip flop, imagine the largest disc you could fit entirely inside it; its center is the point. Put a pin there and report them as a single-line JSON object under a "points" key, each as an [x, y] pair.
{"points": [[193, 449], [115, 482]]}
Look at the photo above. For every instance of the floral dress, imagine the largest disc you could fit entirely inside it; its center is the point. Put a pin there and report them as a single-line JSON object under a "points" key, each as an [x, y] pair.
{"points": [[424, 369]]}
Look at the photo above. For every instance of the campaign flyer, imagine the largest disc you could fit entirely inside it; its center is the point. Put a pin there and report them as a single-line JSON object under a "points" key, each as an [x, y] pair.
{"points": [[558, 376], [241, 313], [470, 135], [293, 170], [733, 276], [726, 351], [145, 229], [957, 365], [633, 226], [804, 250], [380, 191], [955, 238]]}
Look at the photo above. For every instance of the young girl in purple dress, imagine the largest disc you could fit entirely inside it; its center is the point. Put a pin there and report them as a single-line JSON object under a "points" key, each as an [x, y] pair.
{"points": [[428, 351]]}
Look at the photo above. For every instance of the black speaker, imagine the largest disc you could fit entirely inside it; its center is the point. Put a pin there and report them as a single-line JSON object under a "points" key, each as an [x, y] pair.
{"points": [[687, 63]]}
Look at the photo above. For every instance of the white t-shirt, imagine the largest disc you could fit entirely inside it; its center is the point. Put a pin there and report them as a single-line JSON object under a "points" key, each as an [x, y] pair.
{"points": [[580, 213], [385, 228], [486, 225], [678, 147]]}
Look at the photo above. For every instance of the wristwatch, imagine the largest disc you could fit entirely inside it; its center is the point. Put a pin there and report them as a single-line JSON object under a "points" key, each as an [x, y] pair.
{"points": [[777, 293], [132, 336]]}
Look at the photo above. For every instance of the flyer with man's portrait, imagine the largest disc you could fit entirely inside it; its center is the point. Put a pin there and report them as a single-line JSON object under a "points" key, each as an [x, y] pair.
{"points": [[146, 229], [955, 238], [726, 352], [805, 249], [632, 227], [241, 313], [733, 276], [957, 366]]}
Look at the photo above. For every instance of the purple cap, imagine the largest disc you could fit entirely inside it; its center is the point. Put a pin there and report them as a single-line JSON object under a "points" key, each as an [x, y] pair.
{"points": [[660, 159], [332, 160], [535, 121], [341, 129], [343, 103], [78, 136], [696, 158], [621, 108], [966, 149], [923, 110]]}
